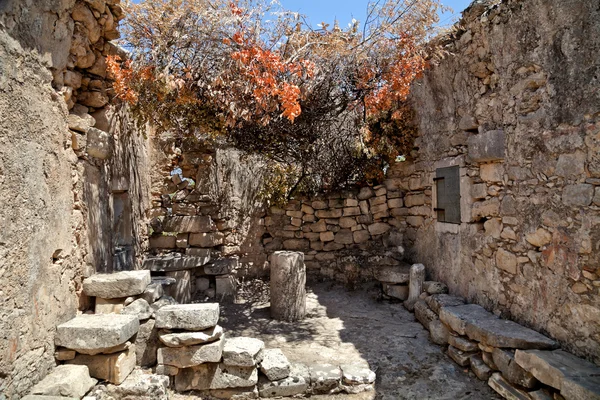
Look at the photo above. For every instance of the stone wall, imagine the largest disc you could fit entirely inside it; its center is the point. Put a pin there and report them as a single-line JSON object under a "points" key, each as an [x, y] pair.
{"points": [[64, 157], [517, 108]]}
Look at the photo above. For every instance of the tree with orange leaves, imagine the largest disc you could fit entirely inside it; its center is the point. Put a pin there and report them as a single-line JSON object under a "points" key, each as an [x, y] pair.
{"points": [[261, 79]]}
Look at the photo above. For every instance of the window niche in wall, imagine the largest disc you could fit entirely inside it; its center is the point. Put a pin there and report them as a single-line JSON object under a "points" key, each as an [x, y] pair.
{"points": [[447, 183]]}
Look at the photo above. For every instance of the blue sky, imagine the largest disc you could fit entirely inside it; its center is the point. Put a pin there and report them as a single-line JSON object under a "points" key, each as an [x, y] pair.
{"points": [[344, 10]]}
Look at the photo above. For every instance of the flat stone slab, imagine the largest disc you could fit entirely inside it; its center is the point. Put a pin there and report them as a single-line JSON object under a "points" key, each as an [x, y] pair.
{"points": [[459, 317], [140, 308], [290, 386], [190, 356], [174, 263], [242, 351], [560, 369], [325, 378], [114, 368], [215, 376], [98, 333], [222, 266], [393, 273], [65, 381], [119, 284], [503, 333], [511, 371], [355, 374], [274, 364], [437, 301], [191, 317], [581, 388], [505, 389], [179, 339]]}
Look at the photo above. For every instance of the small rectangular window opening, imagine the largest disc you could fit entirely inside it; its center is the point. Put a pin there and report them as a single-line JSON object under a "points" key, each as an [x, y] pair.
{"points": [[447, 183]]}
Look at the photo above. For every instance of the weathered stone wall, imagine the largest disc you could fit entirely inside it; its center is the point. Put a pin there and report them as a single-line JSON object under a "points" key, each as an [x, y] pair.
{"points": [[517, 107], [64, 154]]}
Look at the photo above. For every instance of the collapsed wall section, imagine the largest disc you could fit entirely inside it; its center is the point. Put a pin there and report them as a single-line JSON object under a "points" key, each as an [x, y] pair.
{"points": [[515, 109]]}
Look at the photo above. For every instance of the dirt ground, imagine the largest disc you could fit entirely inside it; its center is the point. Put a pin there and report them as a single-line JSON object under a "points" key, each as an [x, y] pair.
{"points": [[357, 327]]}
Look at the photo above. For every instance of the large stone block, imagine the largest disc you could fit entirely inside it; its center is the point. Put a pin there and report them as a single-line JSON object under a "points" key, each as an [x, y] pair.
{"points": [[66, 381], [215, 376], [274, 364], [175, 262], [511, 371], [424, 314], [505, 389], [437, 301], [95, 334], [222, 266], [206, 239], [180, 339], [140, 385], [393, 273], [190, 356], [192, 224], [113, 368], [146, 343], [503, 333], [487, 146], [325, 378], [242, 351], [191, 317], [119, 284], [458, 317]]}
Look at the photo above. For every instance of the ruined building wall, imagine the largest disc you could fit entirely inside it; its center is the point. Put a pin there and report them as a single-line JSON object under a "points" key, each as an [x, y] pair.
{"points": [[517, 108], [63, 148]]}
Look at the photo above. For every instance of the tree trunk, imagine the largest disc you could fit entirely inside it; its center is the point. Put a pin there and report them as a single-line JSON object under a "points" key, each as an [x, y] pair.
{"points": [[288, 286]]}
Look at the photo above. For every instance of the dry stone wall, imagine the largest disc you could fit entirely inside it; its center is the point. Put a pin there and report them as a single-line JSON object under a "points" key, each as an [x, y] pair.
{"points": [[72, 171], [517, 108]]}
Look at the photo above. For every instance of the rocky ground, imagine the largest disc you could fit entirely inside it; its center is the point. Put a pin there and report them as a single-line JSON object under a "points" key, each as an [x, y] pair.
{"points": [[352, 327]]}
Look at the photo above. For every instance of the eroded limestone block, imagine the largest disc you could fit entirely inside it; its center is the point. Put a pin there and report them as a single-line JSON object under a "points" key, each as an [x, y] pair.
{"points": [[140, 308], [146, 343], [424, 314], [505, 389], [511, 371], [113, 368], [274, 364], [140, 385], [437, 301], [66, 380], [325, 378], [215, 376], [95, 334], [109, 306], [357, 374], [98, 143], [192, 317], [153, 292], [487, 146], [190, 356], [463, 344], [179, 339], [119, 284], [286, 387], [438, 332], [242, 351], [457, 317], [507, 334], [393, 273]]}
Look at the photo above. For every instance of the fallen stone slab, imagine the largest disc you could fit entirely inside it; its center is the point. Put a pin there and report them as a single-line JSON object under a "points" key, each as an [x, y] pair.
{"points": [[437, 301], [222, 266], [242, 351], [558, 368], [393, 273], [113, 368], [173, 262], [357, 374], [95, 334], [325, 378], [503, 333], [459, 317], [462, 343], [153, 292], [581, 388], [180, 339], [190, 356], [287, 387], [140, 308], [511, 371], [140, 385], [66, 381], [480, 368], [192, 317], [215, 376], [424, 314], [274, 364], [505, 389], [438, 332], [119, 284]]}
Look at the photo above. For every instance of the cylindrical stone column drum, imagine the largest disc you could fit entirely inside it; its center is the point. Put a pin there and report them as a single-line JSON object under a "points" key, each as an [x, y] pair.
{"points": [[288, 286]]}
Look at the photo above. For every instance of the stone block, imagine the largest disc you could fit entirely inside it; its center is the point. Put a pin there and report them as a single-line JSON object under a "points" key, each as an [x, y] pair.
{"points": [[288, 286], [288, 387], [491, 172], [225, 287], [242, 393], [347, 222], [557, 368], [361, 236], [462, 358], [181, 290], [64, 354], [176, 262], [98, 144], [484, 209], [206, 239], [296, 244], [113, 368], [140, 385], [242, 351], [379, 228], [180, 339], [395, 203], [319, 205], [463, 344], [458, 317], [415, 220], [365, 193], [487, 146], [344, 236], [571, 166], [437, 301], [503, 333], [146, 344], [65, 381], [505, 362], [140, 308], [274, 364], [191, 317], [357, 374], [109, 306], [424, 314], [433, 287], [399, 292], [334, 213], [539, 238], [117, 285], [351, 211], [160, 241], [505, 389], [325, 378], [393, 273], [153, 292], [479, 368], [190, 356], [438, 332], [189, 224], [506, 261], [95, 334], [215, 376], [579, 195]]}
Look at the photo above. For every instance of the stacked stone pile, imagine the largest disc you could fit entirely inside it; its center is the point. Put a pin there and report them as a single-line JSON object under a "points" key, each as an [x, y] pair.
{"points": [[517, 362]]}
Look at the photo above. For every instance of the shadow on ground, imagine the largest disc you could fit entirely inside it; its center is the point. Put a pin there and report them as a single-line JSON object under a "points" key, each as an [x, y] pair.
{"points": [[355, 327]]}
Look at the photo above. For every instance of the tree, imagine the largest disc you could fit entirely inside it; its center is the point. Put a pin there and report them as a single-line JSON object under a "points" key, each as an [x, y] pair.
{"points": [[327, 106]]}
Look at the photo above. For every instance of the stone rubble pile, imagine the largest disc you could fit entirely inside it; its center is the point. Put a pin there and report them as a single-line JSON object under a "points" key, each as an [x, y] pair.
{"points": [[517, 362]]}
